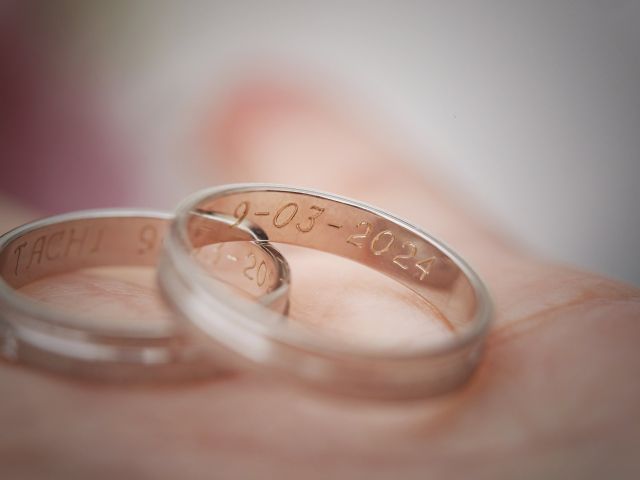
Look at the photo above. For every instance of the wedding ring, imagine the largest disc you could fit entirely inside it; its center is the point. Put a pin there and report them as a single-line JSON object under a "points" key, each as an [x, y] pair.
{"points": [[35, 333], [350, 229]]}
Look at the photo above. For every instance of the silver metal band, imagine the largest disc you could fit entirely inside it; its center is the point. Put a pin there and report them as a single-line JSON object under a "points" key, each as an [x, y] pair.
{"points": [[33, 332], [349, 229]]}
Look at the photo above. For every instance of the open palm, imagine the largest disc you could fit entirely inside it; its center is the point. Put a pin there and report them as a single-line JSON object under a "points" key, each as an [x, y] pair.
{"points": [[556, 395]]}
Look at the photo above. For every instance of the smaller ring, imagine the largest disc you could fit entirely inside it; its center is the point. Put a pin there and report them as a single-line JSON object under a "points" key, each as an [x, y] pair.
{"points": [[355, 231], [34, 333]]}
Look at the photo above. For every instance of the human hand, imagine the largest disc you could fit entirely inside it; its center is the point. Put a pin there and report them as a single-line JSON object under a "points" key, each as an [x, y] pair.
{"points": [[555, 396]]}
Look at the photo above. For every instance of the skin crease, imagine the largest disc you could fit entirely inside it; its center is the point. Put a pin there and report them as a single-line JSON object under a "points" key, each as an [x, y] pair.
{"points": [[556, 394]]}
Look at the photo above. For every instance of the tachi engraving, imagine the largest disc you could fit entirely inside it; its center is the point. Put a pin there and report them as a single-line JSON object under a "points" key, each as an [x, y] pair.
{"points": [[18, 250], [54, 239], [37, 250], [98, 243], [74, 240]]}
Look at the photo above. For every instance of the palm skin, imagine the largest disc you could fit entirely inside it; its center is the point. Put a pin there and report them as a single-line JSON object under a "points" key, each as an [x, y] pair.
{"points": [[556, 394]]}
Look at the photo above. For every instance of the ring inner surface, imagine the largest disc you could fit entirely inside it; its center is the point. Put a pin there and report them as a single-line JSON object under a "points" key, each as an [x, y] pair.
{"points": [[352, 232], [79, 244]]}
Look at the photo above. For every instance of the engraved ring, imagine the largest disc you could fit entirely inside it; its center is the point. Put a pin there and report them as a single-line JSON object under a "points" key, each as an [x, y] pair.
{"points": [[35, 333], [348, 229]]}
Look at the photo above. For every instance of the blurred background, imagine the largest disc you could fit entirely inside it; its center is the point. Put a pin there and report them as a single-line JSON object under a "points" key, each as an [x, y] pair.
{"points": [[532, 108]]}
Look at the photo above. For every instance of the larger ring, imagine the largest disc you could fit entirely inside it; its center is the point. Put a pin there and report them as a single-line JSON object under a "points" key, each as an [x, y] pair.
{"points": [[352, 230], [33, 332]]}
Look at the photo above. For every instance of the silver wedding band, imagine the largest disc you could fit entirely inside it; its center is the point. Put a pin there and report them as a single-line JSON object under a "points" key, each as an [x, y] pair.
{"points": [[352, 230], [215, 329], [35, 333]]}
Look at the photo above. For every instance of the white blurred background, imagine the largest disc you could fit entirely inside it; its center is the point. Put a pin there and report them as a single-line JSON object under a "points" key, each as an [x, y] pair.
{"points": [[534, 107]]}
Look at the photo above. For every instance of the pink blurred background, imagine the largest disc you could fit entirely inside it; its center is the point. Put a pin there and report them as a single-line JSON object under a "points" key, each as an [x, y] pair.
{"points": [[533, 108]]}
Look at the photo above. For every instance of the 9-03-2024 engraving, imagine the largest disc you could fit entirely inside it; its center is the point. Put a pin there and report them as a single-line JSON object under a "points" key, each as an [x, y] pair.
{"points": [[379, 243]]}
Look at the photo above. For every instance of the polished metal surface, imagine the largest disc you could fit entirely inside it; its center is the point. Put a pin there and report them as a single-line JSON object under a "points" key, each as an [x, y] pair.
{"points": [[352, 230], [36, 333]]}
